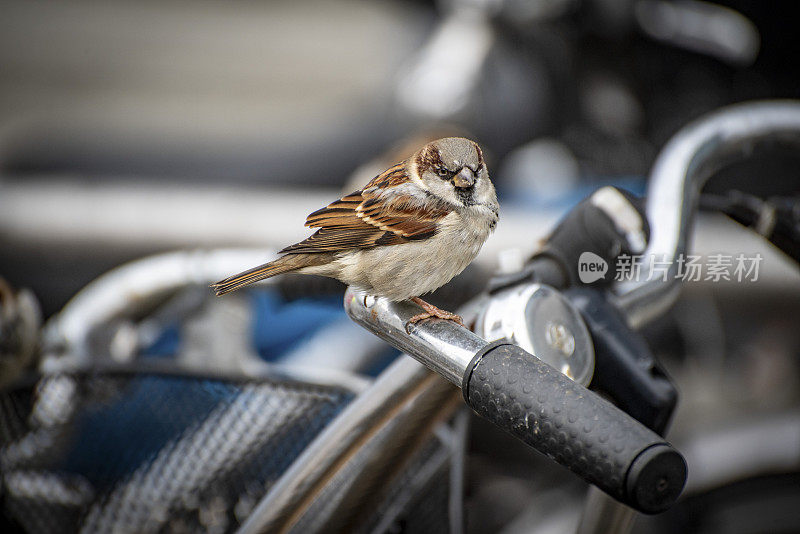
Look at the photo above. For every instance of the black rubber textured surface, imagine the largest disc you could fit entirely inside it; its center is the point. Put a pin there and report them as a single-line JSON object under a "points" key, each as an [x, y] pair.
{"points": [[575, 427]]}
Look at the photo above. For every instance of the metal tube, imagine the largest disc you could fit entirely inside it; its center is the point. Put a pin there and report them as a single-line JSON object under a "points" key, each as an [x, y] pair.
{"points": [[693, 155], [601, 514], [123, 288], [442, 346]]}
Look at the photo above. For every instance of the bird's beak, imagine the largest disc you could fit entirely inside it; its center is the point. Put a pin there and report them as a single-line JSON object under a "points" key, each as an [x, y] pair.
{"points": [[464, 179]]}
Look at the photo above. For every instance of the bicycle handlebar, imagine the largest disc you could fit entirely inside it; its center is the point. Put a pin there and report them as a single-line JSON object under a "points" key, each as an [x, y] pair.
{"points": [[692, 156], [529, 399]]}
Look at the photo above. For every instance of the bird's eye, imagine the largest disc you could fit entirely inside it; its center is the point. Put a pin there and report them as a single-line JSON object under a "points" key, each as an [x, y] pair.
{"points": [[441, 171]]}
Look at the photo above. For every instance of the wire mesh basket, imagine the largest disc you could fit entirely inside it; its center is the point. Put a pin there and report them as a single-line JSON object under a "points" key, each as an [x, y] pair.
{"points": [[130, 451]]}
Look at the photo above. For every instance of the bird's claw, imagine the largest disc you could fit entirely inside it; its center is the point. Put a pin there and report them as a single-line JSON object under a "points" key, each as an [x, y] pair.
{"points": [[432, 312], [429, 315]]}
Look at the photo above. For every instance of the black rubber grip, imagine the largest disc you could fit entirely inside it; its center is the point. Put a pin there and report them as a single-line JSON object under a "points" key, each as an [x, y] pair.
{"points": [[575, 427]]}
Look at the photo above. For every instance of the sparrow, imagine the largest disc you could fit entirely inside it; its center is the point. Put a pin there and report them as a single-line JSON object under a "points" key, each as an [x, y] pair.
{"points": [[409, 231]]}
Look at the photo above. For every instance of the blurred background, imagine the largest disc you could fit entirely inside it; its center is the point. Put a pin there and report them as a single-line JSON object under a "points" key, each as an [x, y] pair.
{"points": [[129, 129], [133, 127]]}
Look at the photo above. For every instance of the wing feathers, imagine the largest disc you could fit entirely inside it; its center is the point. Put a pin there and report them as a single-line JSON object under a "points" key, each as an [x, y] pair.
{"points": [[380, 214], [335, 239]]}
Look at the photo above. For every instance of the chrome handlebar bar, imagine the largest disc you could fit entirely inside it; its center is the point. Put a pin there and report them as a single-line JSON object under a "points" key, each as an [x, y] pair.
{"points": [[687, 161]]}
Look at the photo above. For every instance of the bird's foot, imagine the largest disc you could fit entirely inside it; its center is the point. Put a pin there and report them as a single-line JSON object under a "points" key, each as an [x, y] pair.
{"points": [[432, 311]]}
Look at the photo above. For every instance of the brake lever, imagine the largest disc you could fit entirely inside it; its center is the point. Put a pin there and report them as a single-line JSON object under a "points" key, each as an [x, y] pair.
{"points": [[529, 399]]}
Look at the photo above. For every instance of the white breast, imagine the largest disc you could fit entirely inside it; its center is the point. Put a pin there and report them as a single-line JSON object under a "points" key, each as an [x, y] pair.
{"points": [[418, 267]]}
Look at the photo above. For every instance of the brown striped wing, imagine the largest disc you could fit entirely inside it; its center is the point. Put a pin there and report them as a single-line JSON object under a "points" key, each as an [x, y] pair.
{"points": [[364, 219]]}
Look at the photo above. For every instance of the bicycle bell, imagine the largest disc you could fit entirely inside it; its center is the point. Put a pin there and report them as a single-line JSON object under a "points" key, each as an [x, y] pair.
{"points": [[540, 320]]}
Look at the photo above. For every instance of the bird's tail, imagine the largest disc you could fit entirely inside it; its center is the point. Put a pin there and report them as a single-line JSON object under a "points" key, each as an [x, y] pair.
{"points": [[232, 283]]}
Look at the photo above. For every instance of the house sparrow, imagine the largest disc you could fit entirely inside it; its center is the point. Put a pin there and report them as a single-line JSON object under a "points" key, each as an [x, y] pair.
{"points": [[408, 232]]}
